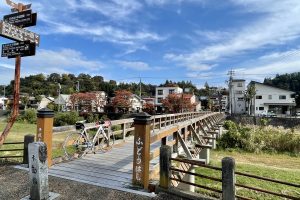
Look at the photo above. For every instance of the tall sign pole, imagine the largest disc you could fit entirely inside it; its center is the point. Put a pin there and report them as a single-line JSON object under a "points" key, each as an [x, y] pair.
{"points": [[12, 28]]}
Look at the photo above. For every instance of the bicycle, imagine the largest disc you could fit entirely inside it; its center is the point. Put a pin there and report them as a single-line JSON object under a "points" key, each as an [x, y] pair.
{"points": [[78, 144]]}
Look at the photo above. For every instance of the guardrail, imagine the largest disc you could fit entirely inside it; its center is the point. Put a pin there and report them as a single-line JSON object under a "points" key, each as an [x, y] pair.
{"points": [[169, 173]]}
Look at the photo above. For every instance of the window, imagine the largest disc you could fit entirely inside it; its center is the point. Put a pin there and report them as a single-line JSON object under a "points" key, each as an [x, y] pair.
{"points": [[256, 108], [239, 92], [240, 85], [159, 100], [259, 97], [261, 108], [282, 97], [240, 99], [270, 97], [160, 92], [171, 91]]}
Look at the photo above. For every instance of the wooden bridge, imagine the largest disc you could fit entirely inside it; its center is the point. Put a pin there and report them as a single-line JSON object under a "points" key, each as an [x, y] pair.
{"points": [[134, 162]]}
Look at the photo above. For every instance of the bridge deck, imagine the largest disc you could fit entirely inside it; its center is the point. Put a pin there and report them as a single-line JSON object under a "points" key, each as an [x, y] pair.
{"points": [[112, 169]]}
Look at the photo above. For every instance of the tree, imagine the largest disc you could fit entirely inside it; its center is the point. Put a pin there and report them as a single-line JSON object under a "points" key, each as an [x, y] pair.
{"points": [[122, 100], [250, 94], [176, 103], [149, 108], [25, 101]]}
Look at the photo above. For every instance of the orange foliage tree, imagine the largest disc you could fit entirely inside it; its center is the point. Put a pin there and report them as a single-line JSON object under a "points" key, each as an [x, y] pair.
{"points": [[176, 103], [84, 100], [122, 100]]}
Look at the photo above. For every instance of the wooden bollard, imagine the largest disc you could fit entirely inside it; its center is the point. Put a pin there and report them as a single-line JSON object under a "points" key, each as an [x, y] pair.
{"points": [[44, 130], [27, 140], [141, 159], [165, 164]]}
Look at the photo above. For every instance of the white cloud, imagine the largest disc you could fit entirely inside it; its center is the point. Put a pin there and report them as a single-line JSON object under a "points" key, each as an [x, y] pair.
{"points": [[139, 66], [279, 24], [271, 64], [49, 61], [163, 2]]}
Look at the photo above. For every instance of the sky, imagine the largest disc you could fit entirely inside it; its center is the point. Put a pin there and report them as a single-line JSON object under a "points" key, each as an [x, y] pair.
{"points": [[197, 40]]}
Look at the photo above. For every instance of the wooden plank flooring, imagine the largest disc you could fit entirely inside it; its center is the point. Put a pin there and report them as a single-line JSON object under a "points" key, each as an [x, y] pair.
{"points": [[112, 169]]}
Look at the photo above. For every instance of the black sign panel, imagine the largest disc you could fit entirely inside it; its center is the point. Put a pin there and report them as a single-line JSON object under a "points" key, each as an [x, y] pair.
{"points": [[13, 32], [21, 19], [22, 49]]}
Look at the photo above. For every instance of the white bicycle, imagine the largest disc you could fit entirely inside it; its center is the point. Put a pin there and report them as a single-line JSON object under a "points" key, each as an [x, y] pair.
{"points": [[88, 140]]}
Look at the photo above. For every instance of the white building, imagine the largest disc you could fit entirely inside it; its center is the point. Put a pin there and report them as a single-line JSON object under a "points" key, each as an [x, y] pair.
{"points": [[163, 92], [3, 101], [237, 96], [224, 103], [136, 103], [269, 99]]}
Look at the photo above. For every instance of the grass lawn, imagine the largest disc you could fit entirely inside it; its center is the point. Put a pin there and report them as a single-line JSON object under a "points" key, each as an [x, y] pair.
{"points": [[17, 134], [281, 167]]}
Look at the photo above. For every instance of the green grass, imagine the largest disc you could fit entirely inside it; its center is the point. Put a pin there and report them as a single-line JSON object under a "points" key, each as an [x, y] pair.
{"points": [[17, 134], [287, 169]]}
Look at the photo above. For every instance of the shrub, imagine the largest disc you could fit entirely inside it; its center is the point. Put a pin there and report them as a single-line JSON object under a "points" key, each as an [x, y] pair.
{"points": [[28, 116], [262, 139], [66, 118]]}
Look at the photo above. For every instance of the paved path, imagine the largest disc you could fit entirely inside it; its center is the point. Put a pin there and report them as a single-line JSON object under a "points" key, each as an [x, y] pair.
{"points": [[112, 169]]}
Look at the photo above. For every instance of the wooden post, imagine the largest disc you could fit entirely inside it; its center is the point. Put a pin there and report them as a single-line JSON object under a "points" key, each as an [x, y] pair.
{"points": [[124, 131], [141, 159], [44, 130], [27, 140], [165, 164], [228, 178]]}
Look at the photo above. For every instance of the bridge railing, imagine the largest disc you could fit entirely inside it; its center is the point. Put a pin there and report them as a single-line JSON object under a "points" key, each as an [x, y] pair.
{"points": [[170, 172], [150, 131]]}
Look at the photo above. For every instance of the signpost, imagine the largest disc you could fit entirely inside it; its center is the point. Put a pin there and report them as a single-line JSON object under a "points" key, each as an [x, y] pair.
{"points": [[12, 50], [12, 28]]}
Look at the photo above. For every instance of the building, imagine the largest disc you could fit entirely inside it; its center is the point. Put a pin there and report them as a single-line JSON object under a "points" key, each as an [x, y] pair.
{"points": [[63, 101], [237, 103], [269, 99], [224, 103], [136, 103], [45, 102], [163, 92], [3, 102]]}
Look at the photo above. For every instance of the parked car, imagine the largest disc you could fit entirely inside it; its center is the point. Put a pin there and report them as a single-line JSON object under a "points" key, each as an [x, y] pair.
{"points": [[268, 114]]}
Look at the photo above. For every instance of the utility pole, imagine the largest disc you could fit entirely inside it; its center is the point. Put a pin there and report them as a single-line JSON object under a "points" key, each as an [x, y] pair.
{"points": [[77, 86], [59, 98], [231, 73], [3, 90], [140, 87]]}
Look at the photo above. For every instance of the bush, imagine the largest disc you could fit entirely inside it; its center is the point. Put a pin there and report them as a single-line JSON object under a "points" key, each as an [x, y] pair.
{"points": [[259, 139], [28, 116], [66, 118]]}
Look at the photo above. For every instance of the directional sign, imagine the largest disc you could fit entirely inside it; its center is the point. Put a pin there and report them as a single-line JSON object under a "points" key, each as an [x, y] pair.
{"points": [[22, 49], [10, 31], [21, 19]]}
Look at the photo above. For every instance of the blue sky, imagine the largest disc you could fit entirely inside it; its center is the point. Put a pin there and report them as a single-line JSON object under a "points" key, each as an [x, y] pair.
{"points": [[197, 40]]}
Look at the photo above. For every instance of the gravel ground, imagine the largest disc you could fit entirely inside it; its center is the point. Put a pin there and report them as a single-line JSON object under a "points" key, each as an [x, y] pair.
{"points": [[14, 186]]}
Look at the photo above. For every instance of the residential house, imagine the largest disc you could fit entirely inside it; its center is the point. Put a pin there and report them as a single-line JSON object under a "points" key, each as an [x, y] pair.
{"points": [[224, 103], [136, 103], [63, 101], [3, 102], [237, 103], [194, 101], [269, 99], [162, 93]]}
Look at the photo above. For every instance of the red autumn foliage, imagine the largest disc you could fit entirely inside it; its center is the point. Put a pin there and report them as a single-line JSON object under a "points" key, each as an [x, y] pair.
{"points": [[149, 108], [83, 99], [176, 103], [122, 100]]}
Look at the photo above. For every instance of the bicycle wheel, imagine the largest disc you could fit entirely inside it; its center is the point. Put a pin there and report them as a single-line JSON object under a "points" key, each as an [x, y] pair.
{"points": [[75, 145], [106, 142]]}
